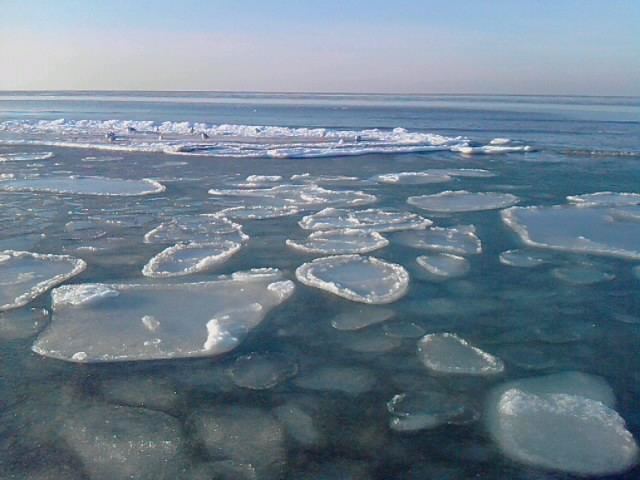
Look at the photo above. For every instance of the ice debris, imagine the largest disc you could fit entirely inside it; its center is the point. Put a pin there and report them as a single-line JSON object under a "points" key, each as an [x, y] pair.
{"points": [[357, 278], [158, 321]]}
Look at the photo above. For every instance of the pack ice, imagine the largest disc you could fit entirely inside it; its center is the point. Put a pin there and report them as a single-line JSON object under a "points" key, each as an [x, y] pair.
{"points": [[564, 422], [357, 278], [25, 275], [578, 228], [463, 201], [124, 322]]}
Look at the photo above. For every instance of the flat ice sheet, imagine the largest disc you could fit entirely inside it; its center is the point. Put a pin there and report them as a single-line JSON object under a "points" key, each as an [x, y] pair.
{"points": [[25, 275], [119, 322], [591, 230], [84, 186], [463, 201]]}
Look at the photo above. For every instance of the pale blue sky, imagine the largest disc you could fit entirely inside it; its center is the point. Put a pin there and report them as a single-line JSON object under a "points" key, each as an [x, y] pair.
{"points": [[404, 46]]}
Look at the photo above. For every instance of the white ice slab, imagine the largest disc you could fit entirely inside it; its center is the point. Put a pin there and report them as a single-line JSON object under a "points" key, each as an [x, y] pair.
{"points": [[358, 278], [562, 422], [189, 258], [447, 353], [458, 240], [84, 186], [25, 275], [590, 230], [341, 241], [123, 322], [463, 201], [444, 265], [373, 219], [196, 229]]}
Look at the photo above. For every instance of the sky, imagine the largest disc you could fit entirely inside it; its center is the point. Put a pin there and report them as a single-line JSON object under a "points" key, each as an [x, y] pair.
{"points": [[578, 47]]}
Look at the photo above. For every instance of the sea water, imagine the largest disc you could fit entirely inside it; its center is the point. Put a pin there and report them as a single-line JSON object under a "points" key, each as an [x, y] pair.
{"points": [[238, 285]]}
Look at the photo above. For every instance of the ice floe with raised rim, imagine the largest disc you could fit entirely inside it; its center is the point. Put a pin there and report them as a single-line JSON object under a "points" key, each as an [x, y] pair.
{"points": [[459, 201], [340, 241], [357, 278], [257, 212], [565, 421], [412, 178], [447, 353], [25, 276], [306, 196], [374, 219], [349, 380], [605, 199], [521, 258], [261, 371], [84, 186], [25, 156], [157, 321], [571, 228], [444, 265], [196, 229], [457, 240], [189, 258]]}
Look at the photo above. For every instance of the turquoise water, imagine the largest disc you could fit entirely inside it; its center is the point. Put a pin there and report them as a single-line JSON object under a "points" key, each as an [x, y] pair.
{"points": [[578, 311]]}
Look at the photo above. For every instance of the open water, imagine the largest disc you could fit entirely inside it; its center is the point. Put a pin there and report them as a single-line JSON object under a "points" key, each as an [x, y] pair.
{"points": [[479, 318]]}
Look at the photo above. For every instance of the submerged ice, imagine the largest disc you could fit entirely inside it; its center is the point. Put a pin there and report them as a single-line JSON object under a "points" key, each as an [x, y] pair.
{"points": [[159, 321]]}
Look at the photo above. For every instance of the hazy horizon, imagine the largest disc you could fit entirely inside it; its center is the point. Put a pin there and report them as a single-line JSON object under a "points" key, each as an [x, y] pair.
{"points": [[529, 47]]}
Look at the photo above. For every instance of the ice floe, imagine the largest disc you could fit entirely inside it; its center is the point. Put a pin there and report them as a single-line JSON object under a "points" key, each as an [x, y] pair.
{"points": [[521, 258], [463, 201], [298, 196], [425, 410], [412, 178], [372, 219], [158, 321], [244, 435], [444, 265], [590, 230], [25, 275], [25, 156], [257, 212], [562, 422], [199, 229], [22, 323], [605, 199], [357, 278], [446, 353], [361, 317], [185, 259], [341, 241], [458, 240], [495, 146], [84, 186], [261, 371]]}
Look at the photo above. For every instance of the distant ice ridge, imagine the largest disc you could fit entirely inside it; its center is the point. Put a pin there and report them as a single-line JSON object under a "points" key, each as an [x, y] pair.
{"points": [[236, 140]]}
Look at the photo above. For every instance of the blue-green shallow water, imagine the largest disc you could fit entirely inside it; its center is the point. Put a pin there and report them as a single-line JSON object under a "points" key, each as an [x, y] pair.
{"points": [[537, 323]]}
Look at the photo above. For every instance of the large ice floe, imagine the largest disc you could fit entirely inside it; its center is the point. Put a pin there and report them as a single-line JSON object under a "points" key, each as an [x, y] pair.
{"points": [[307, 196], [458, 240], [447, 353], [463, 201], [83, 186], [159, 321], [372, 219], [564, 422], [341, 241], [357, 278], [25, 275], [188, 258], [579, 228]]}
